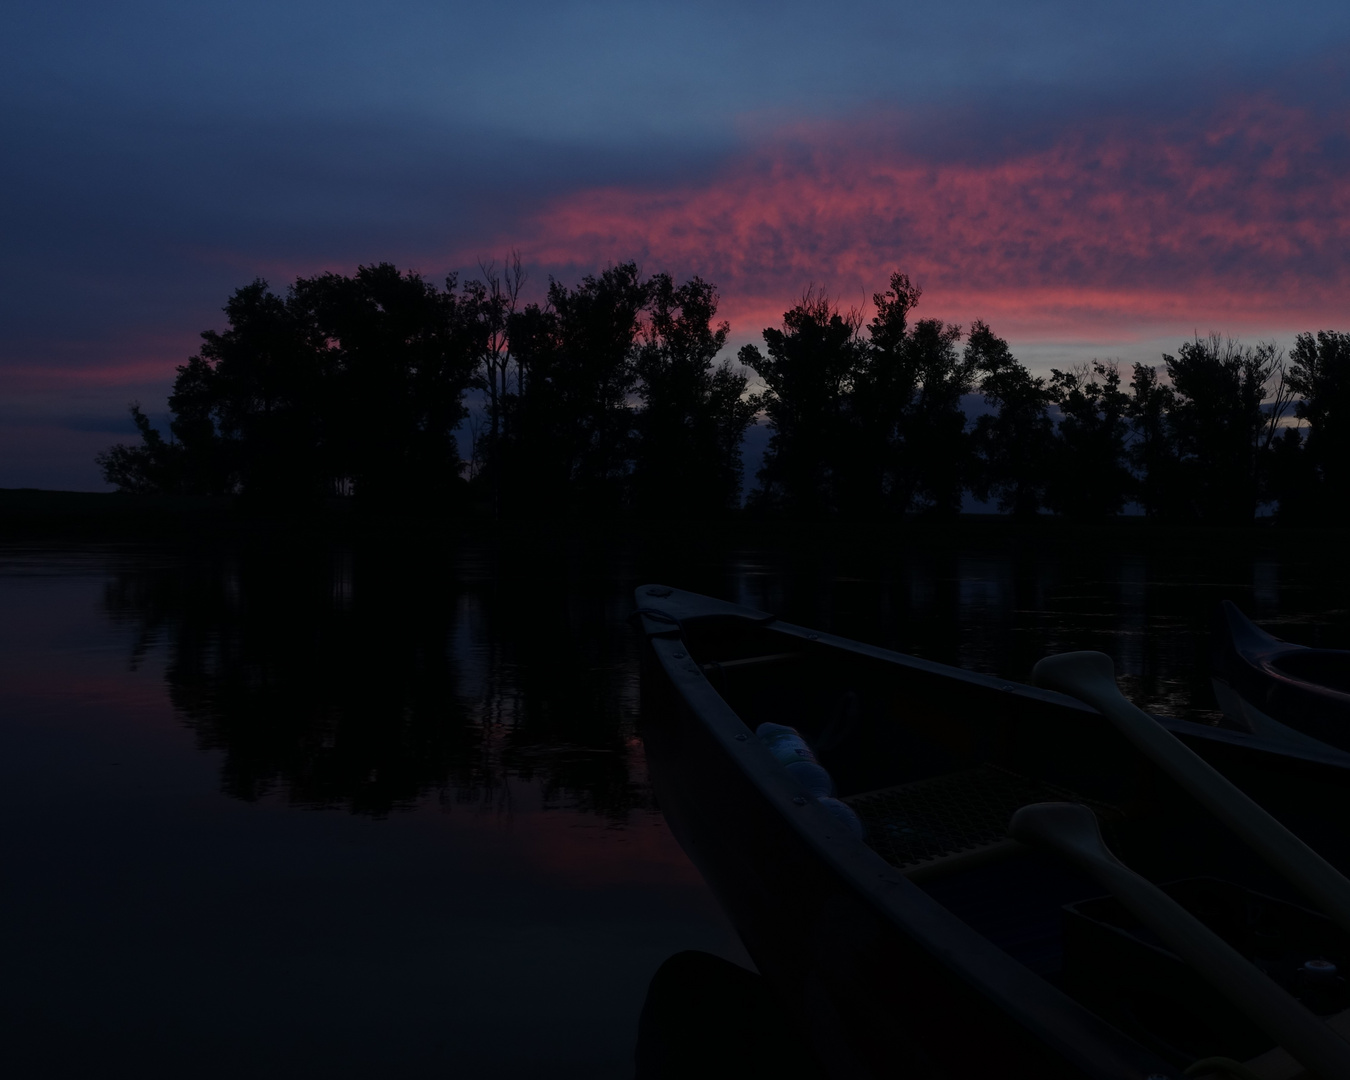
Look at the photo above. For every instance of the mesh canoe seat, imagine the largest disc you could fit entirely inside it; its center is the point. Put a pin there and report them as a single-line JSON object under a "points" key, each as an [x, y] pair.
{"points": [[932, 825]]}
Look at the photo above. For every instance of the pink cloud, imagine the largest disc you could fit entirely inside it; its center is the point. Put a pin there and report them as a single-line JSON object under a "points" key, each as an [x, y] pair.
{"points": [[116, 373], [1238, 218], [136, 358]]}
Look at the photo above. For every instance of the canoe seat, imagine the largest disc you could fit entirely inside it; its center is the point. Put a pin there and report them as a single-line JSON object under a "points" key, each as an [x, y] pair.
{"points": [[945, 823]]}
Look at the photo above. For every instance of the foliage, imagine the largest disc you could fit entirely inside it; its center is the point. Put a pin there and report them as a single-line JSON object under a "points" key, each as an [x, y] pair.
{"points": [[1088, 477], [1294, 482], [569, 419], [863, 426], [149, 469], [809, 373], [494, 301], [1222, 434], [1152, 451], [884, 391], [343, 384], [694, 413], [395, 355], [937, 447], [1319, 374], [1012, 444]]}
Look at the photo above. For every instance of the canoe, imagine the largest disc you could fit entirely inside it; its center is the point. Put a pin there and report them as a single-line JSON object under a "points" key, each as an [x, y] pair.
{"points": [[935, 945], [1276, 688]]}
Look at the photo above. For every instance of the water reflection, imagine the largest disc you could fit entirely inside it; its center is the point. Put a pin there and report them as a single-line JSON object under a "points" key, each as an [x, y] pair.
{"points": [[1266, 586], [369, 678]]}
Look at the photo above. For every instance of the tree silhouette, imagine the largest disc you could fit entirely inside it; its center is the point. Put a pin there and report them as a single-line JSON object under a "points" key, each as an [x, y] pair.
{"points": [[1295, 484], [1319, 373], [1013, 444], [493, 302], [246, 408], [812, 363], [693, 418], [883, 475], [1222, 432], [346, 383], [938, 446], [570, 421], [152, 468], [609, 395], [863, 426], [398, 354], [1152, 449], [1089, 477]]}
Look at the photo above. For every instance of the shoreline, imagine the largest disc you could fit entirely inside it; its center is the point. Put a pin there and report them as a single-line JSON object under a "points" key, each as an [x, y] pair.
{"points": [[33, 514]]}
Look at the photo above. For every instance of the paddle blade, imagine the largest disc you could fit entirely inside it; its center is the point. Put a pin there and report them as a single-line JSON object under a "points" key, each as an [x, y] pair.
{"points": [[1069, 829], [1074, 673]]}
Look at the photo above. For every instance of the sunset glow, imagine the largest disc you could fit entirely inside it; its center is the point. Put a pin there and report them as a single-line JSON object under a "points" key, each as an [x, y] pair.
{"points": [[1240, 218]]}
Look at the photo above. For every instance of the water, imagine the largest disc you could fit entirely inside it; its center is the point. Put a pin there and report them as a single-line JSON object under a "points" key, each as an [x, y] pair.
{"points": [[306, 809]]}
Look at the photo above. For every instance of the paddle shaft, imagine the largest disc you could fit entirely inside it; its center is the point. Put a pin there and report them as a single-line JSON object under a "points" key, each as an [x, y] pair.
{"points": [[1070, 830], [1082, 675]]}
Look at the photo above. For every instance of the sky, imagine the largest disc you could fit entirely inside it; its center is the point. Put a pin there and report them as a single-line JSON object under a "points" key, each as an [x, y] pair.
{"points": [[1094, 180]]}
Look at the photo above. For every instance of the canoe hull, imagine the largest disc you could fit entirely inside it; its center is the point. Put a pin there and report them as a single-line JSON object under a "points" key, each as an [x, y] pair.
{"points": [[1277, 689], [881, 978], [871, 1001]]}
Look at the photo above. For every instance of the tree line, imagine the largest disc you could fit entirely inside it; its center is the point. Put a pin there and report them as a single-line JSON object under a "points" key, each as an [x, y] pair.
{"points": [[609, 395]]}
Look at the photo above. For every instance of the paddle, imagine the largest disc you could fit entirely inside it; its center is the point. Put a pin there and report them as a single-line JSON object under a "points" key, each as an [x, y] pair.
{"points": [[1070, 830], [1091, 678]]}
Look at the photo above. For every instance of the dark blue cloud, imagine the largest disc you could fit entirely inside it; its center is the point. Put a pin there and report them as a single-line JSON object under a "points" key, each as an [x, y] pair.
{"points": [[621, 68]]}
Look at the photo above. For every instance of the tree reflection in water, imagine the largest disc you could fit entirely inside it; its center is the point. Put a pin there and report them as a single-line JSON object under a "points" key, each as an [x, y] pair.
{"points": [[373, 677]]}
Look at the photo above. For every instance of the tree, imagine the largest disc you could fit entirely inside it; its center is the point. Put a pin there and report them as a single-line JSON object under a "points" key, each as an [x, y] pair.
{"points": [[570, 420], [1013, 444], [1294, 482], [809, 373], [244, 411], [153, 468], [493, 302], [397, 355], [1152, 451], [1319, 374], [863, 426], [936, 445], [883, 473], [343, 384], [1222, 432], [1089, 477], [687, 457]]}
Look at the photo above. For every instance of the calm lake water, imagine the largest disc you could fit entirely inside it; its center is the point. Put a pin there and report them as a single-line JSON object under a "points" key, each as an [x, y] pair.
{"points": [[330, 810]]}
